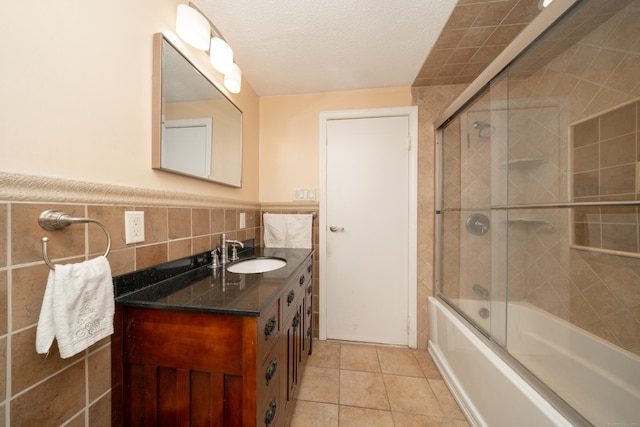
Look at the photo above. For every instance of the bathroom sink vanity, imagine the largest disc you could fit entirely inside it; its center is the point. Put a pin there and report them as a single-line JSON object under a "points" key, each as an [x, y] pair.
{"points": [[215, 348]]}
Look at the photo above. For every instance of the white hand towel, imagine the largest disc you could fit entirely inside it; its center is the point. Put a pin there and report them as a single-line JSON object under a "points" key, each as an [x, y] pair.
{"points": [[299, 231], [288, 230], [77, 308], [275, 230]]}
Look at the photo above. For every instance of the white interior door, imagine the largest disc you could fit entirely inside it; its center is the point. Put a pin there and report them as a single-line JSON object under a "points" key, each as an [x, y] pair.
{"points": [[368, 232], [186, 146]]}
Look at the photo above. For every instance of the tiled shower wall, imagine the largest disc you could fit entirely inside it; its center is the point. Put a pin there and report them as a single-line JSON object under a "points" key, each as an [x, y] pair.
{"points": [[47, 390], [596, 291], [605, 167], [431, 101]]}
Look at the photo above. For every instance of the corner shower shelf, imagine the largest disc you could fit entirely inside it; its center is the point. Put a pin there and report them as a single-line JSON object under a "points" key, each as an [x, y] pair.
{"points": [[528, 220], [526, 162]]}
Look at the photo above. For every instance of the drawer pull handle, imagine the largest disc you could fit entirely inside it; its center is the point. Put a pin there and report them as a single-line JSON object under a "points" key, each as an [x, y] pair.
{"points": [[310, 289], [308, 311], [290, 297], [302, 279], [296, 320], [310, 269], [271, 412], [271, 370], [269, 327], [308, 332]]}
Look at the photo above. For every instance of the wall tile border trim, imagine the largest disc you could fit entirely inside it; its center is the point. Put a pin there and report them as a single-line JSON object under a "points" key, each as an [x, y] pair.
{"points": [[18, 187]]}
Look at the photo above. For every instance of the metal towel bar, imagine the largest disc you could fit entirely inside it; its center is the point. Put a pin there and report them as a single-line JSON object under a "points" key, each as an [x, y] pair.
{"points": [[313, 214], [53, 219]]}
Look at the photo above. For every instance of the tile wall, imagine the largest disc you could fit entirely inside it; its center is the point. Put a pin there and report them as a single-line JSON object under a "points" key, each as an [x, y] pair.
{"points": [[595, 78], [605, 167], [476, 32], [47, 390], [431, 100], [591, 79]]}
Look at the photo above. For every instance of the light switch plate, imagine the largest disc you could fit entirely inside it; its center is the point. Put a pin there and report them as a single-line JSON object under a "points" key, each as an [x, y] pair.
{"points": [[304, 194], [243, 220]]}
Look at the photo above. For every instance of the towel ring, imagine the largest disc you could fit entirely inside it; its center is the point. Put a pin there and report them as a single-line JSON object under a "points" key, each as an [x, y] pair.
{"points": [[53, 219]]}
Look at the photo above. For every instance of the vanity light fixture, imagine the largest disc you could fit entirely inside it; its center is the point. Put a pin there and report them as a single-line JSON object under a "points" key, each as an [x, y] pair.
{"points": [[233, 79], [221, 55], [192, 27], [196, 29]]}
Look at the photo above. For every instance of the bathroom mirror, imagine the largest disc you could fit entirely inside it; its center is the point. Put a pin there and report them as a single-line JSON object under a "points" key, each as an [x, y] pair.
{"points": [[197, 130]]}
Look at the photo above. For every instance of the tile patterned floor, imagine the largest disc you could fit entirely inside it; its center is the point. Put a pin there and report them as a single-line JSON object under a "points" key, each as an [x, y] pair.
{"points": [[350, 385]]}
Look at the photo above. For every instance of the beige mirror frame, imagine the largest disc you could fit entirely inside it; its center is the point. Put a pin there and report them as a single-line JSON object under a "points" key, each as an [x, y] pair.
{"points": [[196, 129]]}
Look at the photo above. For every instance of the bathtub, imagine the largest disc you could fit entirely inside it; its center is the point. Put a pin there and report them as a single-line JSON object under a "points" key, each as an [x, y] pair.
{"points": [[492, 393]]}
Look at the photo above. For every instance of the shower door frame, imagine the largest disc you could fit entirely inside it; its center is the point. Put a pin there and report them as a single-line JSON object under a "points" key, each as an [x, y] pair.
{"points": [[545, 19]]}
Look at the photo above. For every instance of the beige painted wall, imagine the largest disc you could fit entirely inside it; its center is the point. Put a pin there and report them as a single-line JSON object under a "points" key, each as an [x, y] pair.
{"points": [[289, 132], [76, 95]]}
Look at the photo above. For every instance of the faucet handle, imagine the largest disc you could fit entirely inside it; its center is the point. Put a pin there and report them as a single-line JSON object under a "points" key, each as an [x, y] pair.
{"points": [[234, 253], [214, 258]]}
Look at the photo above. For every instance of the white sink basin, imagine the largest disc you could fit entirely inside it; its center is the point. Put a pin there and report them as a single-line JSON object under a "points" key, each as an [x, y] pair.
{"points": [[256, 265]]}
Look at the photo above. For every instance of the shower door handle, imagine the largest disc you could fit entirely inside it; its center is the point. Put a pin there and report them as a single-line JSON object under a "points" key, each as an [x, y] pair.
{"points": [[335, 228]]}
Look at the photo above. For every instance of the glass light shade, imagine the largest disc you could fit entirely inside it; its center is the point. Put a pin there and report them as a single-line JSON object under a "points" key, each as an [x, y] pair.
{"points": [[233, 79], [192, 27], [221, 55]]}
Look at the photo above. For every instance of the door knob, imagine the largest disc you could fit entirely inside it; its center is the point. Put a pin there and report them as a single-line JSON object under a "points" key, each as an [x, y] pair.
{"points": [[335, 228]]}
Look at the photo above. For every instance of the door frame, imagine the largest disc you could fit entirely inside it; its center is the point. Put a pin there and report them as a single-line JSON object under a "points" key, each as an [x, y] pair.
{"points": [[411, 113]]}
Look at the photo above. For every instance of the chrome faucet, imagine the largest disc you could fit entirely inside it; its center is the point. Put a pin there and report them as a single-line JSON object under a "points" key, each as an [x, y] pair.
{"points": [[224, 257]]}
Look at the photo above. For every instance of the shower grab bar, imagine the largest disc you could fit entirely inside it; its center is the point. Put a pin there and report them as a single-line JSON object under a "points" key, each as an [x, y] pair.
{"points": [[53, 219], [547, 206]]}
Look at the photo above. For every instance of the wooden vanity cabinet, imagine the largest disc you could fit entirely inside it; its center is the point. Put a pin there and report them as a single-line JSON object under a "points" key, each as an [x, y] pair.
{"points": [[191, 368], [293, 341]]}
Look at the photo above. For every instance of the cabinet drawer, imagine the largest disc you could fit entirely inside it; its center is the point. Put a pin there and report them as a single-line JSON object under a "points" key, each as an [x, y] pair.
{"points": [[269, 413], [268, 331], [268, 376], [306, 275], [290, 300]]}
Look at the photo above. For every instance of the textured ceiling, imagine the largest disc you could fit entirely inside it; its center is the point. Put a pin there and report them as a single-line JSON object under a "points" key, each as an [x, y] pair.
{"points": [[289, 47]]}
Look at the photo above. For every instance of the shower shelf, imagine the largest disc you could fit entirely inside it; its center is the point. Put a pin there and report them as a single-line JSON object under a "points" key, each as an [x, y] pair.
{"points": [[529, 220], [526, 162]]}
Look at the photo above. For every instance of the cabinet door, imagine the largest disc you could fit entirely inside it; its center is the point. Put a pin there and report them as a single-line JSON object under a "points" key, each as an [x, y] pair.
{"points": [[293, 353], [307, 322], [307, 313]]}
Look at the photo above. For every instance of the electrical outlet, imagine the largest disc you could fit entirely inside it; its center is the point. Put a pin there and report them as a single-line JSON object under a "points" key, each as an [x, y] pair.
{"points": [[133, 227]]}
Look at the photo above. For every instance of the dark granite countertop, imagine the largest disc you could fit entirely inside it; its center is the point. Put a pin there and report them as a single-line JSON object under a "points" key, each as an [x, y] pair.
{"points": [[190, 284]]}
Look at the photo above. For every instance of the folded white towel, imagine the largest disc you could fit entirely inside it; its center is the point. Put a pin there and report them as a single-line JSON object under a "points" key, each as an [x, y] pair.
{"points": [[77, 308], [288, 230]]}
